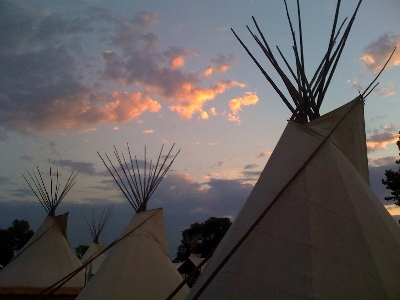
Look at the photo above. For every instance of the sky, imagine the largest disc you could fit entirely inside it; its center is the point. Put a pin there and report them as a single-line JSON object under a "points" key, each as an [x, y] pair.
{"points": [[80, 77]]}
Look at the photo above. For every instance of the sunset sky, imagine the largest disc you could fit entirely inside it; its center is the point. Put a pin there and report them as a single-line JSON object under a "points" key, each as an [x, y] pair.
{"points": [[77, 77]]}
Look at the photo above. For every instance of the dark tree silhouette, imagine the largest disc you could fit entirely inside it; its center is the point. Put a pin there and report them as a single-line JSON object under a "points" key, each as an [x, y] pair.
{"points": [[13, 239], [392, 181], [202, 238], [80, 250]]}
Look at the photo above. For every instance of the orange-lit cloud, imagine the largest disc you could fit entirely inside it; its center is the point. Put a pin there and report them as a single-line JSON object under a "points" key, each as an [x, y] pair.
{"points": [[234, 118], [208, 72], [236, 105], [189, 99], [247, 99], [212, 144], [204, 115], [119, 85], [376, 54], [127, 106], [148, 131], [379, 141], [213, 111], [176, 57]]}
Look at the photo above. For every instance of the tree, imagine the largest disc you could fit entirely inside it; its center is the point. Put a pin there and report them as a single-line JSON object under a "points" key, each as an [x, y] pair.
{"points": [[392, 181], [202, 238], [13, 239], [80, 250]]}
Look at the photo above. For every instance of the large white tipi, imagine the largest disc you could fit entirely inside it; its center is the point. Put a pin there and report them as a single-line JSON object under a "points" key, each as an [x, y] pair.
{"points": [[138, 266], [312, 228], [47, 256]]}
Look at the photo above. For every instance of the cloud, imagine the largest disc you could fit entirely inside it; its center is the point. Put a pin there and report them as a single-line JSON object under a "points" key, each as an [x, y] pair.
{"points": [[93, 129], [204, 115], [252, 166], [251, 176], [382, 161], [264, 154], [213, 111], [377, 53], [26, 157], [236, 105], [379, 140], [52, 76], [81, 167], [148, 131], [220, 64], [4, 180], [189, 98], [217, 164], [177, 57]]}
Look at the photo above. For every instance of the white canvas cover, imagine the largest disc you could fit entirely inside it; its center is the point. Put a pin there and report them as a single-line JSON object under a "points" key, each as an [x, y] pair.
{"points": [[46, 258], [327, 237], [138, 267], [93, 267]]}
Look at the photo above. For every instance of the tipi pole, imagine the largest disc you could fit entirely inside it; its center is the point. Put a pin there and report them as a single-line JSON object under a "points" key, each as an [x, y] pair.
{"points": [[273, 202]]}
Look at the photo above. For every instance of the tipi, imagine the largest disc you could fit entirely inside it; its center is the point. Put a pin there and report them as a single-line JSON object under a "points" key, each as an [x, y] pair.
{"points": [[138, 266], [312, 228], [95, 227], [47, 256]]}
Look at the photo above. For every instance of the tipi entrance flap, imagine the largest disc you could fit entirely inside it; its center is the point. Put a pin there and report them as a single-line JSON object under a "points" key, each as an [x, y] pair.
{"points": [[349, 136]]}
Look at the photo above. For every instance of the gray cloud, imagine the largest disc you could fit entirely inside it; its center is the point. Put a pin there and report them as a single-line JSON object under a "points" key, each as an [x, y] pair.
{"points": [[50, 78], [252, 166], [377, 53], [81, 167]]}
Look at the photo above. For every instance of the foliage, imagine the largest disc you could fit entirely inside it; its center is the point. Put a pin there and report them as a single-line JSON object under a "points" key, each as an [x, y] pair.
{"points": [[202, 238], [81, 250], [13, 239], [392, 182]]}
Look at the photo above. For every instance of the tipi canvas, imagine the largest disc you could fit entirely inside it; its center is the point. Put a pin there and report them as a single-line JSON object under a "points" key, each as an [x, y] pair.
{"points": [[327, 237], [139, 266], [312, 228], [95, 227], [47, 256]]}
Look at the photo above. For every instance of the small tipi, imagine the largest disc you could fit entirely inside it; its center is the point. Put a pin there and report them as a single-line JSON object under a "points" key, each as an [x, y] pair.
{"points": [[95, 226], [138, 266], [47, 256], [312, 228]]}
